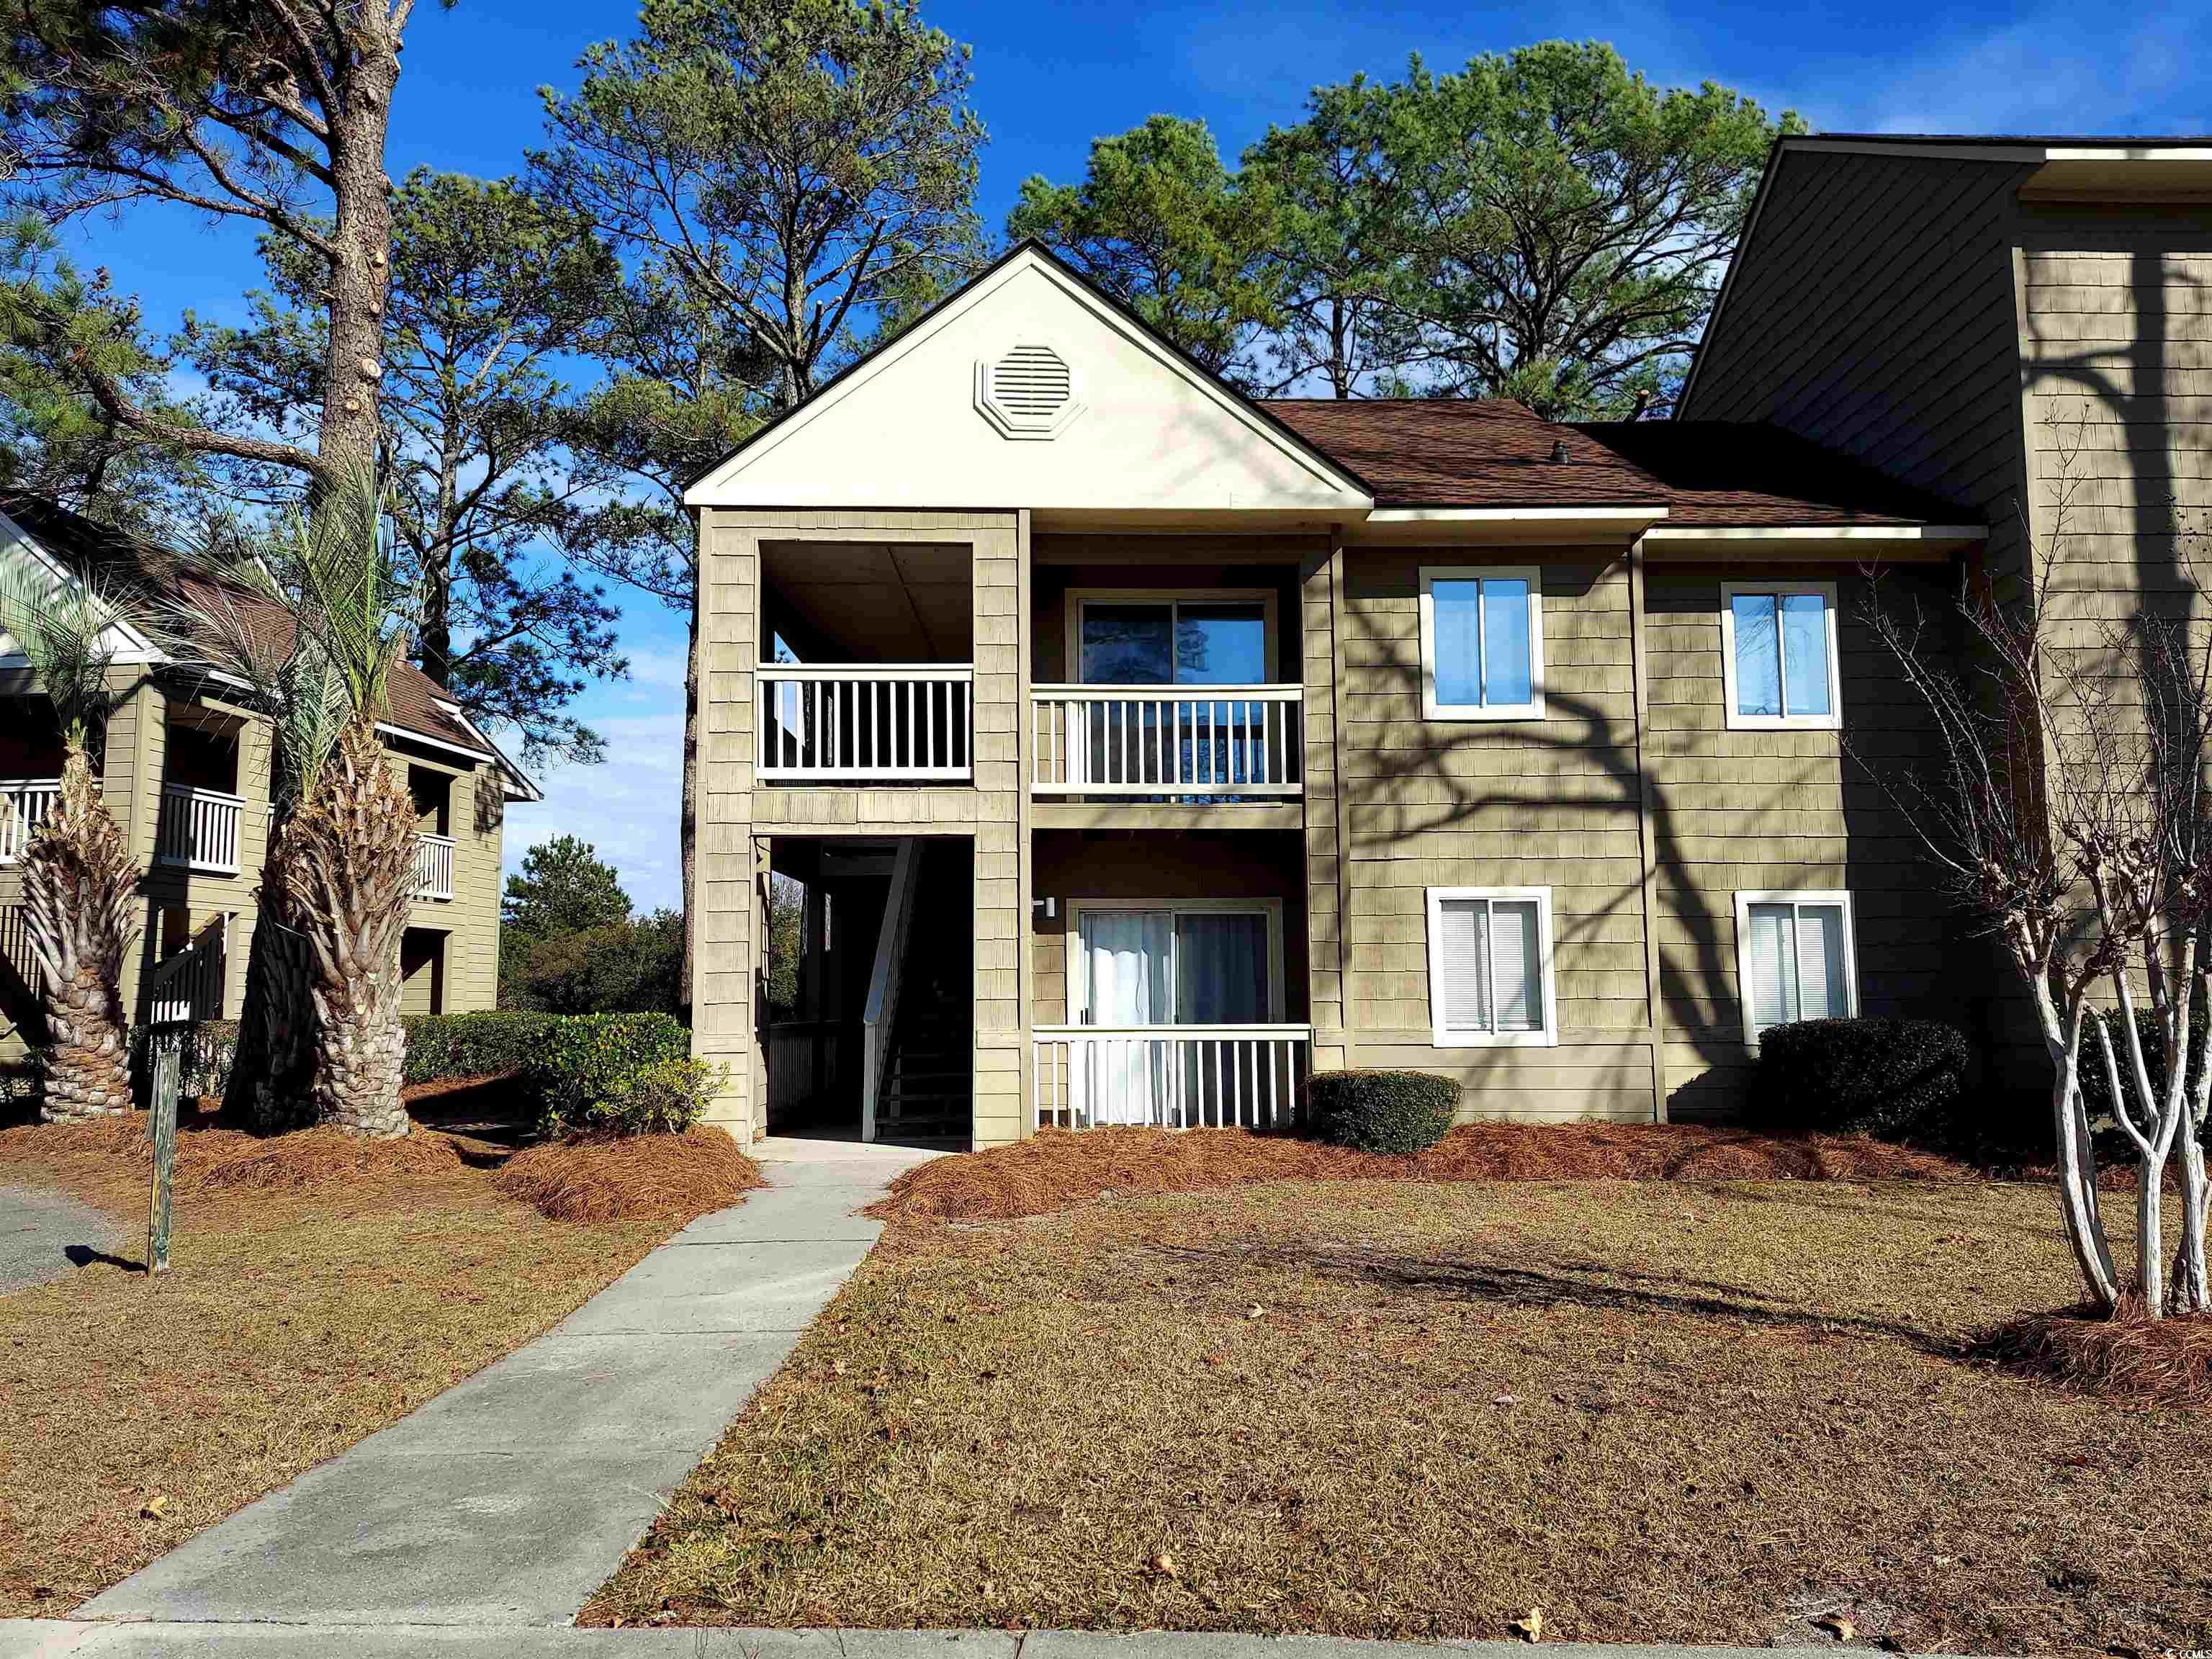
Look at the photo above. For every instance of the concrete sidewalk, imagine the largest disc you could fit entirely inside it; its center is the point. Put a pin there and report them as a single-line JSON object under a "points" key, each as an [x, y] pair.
{"points": [[39, 1229], [510, 1498], [25, 1639]]}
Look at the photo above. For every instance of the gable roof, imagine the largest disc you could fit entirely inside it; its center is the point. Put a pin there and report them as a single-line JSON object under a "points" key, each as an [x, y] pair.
{"points": [[417, 706], [1122, 445]]}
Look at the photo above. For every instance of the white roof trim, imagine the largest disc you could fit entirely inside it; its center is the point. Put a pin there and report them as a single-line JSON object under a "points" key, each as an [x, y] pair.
{"points": [[142, 649], [1813, 532], [707, 491], [1516, 514]]}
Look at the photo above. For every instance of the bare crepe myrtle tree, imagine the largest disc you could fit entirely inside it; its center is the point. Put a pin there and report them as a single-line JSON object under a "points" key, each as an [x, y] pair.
{"points": [[2065, 802]]}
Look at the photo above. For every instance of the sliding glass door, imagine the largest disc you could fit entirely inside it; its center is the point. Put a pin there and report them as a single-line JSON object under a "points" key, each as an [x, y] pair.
{"points": [[1210, 967], [1174, 642]]}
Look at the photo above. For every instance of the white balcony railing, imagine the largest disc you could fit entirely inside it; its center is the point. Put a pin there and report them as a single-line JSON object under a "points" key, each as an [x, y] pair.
{"points": [[1218, 741], [434, 867], [888, 723], [1174, 1077], [24, 805], [199, 829]]}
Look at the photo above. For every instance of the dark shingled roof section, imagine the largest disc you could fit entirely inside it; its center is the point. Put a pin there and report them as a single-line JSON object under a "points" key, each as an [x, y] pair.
{"points": [[1438, 452], [79, 540], [1434, 451], [1742, 473]]}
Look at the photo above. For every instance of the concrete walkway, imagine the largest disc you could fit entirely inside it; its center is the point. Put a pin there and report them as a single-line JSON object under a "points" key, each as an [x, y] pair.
{"points": [[512, 1497], [39, 1228]]}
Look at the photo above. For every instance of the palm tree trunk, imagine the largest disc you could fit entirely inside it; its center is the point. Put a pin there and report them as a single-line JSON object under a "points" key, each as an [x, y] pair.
{"points": [[349, 872], [79, 891]]}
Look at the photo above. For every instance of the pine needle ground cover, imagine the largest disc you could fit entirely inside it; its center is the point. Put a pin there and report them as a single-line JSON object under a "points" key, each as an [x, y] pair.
{"points": [[321, 1288], [1660, 1411]]}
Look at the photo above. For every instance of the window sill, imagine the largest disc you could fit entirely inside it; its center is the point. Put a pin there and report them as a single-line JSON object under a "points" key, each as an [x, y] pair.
{"points": [[1494, 1039], [1784, 722], [1471, 714]]}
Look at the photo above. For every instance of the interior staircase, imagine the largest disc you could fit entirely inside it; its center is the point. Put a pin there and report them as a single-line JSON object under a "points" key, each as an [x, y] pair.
{"points": [[929, 1089]]}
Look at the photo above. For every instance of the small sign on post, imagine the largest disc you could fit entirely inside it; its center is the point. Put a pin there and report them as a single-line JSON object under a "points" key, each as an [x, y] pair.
{"points": [[168, 1055]]}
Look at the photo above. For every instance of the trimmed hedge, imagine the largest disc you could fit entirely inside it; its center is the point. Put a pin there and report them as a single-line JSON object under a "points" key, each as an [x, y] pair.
{"points": [[620, 1075], [1395, 1112], [1894, 1080], [494, 1042]]}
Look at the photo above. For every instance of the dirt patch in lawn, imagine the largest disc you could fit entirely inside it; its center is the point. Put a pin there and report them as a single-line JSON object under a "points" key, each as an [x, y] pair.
{"points": [[320, 1289], [636, 1177], [1660, 1411], [1056, 1168]]}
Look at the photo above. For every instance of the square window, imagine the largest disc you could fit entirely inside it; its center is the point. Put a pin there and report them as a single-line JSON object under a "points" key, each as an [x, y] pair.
{"points": [[1794, 959], [1778, 655], [1490, 967], [1482, 644]]}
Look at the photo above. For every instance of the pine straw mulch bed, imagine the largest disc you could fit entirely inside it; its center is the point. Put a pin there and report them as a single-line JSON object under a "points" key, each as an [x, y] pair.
{"points": [[1663, 1411], [1057, 1169], [321, 1288]]}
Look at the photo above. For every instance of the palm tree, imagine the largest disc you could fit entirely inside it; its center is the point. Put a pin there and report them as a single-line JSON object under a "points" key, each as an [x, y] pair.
{"points": [[311, 620], [80, 882]]}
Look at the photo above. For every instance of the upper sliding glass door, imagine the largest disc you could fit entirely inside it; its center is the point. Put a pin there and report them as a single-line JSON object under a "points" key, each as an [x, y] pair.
{"points": [[1176, 642]]}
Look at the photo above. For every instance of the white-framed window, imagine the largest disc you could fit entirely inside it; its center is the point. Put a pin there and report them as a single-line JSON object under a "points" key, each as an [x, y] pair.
{"points": [[1778, 667], [1491, 982], [1796, 959], [1482, 642]]}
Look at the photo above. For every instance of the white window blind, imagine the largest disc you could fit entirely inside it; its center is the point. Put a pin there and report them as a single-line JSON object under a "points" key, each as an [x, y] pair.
{"points": [[1489, 959], [1793, 961]]}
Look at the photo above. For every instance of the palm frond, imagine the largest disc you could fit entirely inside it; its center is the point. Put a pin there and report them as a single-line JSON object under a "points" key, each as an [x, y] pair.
{"points": [[68, 630]]}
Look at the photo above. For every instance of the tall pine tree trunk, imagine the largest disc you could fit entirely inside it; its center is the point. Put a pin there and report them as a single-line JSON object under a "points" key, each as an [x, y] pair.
{"points": [[350, 872], [272, 1072], [80, 890]]}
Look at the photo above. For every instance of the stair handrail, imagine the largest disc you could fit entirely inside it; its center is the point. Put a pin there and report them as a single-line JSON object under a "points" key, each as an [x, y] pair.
{"points": [[881, 1015], [203, 963]]}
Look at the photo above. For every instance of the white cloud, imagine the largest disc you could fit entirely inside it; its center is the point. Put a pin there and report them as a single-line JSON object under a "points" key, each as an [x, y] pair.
{"points": [[626, 806], [2051, 70]]}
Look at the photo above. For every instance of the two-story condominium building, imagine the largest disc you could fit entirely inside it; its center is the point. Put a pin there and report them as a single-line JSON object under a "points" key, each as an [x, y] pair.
{"points": [[1143, 748], [185, 766]]}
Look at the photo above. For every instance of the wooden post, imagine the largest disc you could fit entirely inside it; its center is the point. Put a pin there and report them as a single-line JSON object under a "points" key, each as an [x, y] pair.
{"points": [[169, 1065]]}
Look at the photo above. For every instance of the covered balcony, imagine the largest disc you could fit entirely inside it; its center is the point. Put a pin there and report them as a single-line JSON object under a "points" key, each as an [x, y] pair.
{"points": [[203, 813], [1169, 992], [30, 772], [1168, 695], [432, 792], [869, 677]]}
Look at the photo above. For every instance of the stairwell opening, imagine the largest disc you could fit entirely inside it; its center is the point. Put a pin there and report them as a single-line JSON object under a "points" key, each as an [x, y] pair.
{"points": [[867, 1024]]}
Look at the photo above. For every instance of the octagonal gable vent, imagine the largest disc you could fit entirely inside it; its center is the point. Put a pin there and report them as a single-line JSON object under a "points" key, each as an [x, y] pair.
{"points": [[1029, 392]]}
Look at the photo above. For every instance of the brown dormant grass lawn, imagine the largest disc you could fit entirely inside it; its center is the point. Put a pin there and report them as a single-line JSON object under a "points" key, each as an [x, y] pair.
{"points": [[1659, 1410], [319, 1291]]}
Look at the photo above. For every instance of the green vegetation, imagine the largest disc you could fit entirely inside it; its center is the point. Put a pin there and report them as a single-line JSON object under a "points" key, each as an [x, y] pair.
{"points": [[1396, 1112]]}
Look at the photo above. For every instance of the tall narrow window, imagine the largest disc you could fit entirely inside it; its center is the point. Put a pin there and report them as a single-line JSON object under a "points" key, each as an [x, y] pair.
{"points": [[1778, 655], [1490, 967], [1794, 958], [1482, 644]]}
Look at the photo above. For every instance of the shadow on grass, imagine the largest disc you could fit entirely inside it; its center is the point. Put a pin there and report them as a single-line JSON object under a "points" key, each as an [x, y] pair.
{"points": [[1605, 1290], [83, 1255]]}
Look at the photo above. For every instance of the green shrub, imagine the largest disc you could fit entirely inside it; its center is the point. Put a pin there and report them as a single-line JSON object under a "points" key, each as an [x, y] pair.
{"points": [[1895, 1079], [1397, 1112], [2096, 1094], [495, 1042], [208, 1053], [619, 1074]]}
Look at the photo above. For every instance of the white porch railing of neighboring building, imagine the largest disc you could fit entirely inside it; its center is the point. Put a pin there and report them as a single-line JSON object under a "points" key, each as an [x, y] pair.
{"points": [[1225, 742], [24, 805], [188, 986], [1174, 1077], [199, 829], [434, 867], [887, 723]]}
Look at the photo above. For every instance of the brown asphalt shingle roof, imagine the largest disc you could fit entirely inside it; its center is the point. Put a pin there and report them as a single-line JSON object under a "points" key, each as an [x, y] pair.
{"points": [[413, 706], [1493, 453]]}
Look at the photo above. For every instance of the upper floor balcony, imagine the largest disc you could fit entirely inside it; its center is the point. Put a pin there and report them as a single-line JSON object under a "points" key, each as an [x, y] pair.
{"points": [[25, 804], [1206, 743]]}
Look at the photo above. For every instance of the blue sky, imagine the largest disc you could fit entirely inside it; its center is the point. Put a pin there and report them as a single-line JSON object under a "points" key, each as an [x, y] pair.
{"points": [[1050, 77]]}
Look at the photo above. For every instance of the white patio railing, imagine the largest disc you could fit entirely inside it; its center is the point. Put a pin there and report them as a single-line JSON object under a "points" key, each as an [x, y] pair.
{"points": [[1230, 741], [1174, 1077], [24, 805], [199, 829], [434, 867], [888, 723]]}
